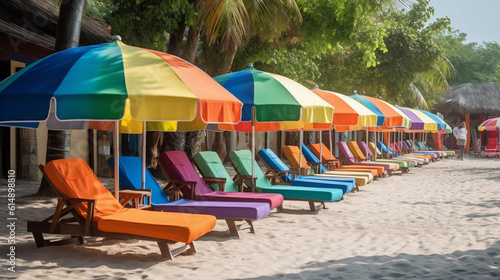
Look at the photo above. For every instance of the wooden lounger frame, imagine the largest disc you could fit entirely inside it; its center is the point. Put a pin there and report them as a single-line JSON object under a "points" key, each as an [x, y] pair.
{"points": [[80, 227]]}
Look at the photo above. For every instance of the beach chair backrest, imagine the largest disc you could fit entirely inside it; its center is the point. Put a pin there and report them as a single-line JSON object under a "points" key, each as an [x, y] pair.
{"points": [[178, 167], [383, 148], [74, 178], [131, 178], [273, 160], [326, 154], [349, 157], [292, 154], [243, 161], [311, 157], [374, 149], [210, 165], [364, 148], [356, 151]]}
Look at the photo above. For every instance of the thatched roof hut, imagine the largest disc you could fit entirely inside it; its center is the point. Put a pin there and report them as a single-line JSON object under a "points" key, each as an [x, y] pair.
{"points": [[473, 99], [30, 26]]}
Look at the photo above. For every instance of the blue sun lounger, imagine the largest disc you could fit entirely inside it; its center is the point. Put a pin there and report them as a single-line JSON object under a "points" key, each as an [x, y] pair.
{"points": [[280, 173]]}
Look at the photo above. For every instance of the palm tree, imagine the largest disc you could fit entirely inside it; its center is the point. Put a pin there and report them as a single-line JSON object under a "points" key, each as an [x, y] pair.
{"points": [[68, 36], [230, 24]]}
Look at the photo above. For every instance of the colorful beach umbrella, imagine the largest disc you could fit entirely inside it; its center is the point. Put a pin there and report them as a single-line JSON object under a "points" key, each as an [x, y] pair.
{"points": [[367, 103], [278, 103], [273, 102], [99, 82], [393, 117], [94, 82], [442, 126], [492, 124], [348, 113]]}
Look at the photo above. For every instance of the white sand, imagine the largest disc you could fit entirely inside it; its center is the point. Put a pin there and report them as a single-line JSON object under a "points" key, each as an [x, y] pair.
{"points": [[441, 221]]}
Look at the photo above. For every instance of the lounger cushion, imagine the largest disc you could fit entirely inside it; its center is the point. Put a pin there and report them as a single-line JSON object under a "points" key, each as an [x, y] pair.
{"points": [[210, 165], [74, 178], [220, 209], [131, 176], [243, 161], [178, 167], [277, 164], [172, 226]]}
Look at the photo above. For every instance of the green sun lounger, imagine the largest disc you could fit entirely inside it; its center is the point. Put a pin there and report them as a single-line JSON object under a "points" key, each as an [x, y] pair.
{"points": [[210, 165]]}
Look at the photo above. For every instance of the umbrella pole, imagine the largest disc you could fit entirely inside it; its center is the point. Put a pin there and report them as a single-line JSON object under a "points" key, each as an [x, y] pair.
{"points": [[143, 155], [320, 146], [253, 149], [366, 139], [330, 137], [375, 152], [116, 152], [301, 135]]}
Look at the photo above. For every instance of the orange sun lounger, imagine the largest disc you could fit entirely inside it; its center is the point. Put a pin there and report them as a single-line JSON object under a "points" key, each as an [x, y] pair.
{"points": [[292, 155], [96, 212]]}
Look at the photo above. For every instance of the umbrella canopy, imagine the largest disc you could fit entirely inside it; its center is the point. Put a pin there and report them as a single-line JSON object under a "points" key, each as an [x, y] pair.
{"points": [[279, 102], [394, 118], [419, 120], [94, 82], [110, 81], [367, 103], [492, 124], [348, 113], [442, 126]]}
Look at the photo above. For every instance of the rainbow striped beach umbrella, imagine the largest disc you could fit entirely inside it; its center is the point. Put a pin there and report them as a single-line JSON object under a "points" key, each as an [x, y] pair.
{"points": [[111, 82], [94, 83]]}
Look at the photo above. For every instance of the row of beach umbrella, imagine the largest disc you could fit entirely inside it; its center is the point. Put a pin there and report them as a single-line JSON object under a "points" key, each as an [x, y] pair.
{"points": [[131, 89]]}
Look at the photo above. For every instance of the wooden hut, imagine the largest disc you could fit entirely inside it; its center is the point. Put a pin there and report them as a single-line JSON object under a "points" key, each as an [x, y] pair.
{"points": [[27, 33], [471, 103]]}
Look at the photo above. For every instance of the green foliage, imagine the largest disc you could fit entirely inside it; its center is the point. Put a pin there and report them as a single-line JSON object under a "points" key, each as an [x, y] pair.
{"points": [[474, 63], [146, 23], [404, 70]]}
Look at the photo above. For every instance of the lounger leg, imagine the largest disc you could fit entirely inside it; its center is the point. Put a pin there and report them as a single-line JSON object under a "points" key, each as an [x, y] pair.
{"points": [[280, 208], [311, 206], [232, 227], [38, 236], [324, 206], [165, 250], [252, 229], [170, 254]]}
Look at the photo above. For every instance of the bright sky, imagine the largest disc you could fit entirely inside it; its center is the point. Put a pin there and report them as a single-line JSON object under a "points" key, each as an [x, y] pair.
{"points": [[480, 19]]}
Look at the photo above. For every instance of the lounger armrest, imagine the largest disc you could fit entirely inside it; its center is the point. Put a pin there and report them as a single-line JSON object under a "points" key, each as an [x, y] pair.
{"points": [[135, 196], [300, 170], [70, 203], [240, 180], [220, 181], [179, 184]]}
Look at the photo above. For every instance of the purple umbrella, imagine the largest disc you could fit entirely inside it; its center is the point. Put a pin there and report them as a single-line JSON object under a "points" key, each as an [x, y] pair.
{"points": [[416, 122]]}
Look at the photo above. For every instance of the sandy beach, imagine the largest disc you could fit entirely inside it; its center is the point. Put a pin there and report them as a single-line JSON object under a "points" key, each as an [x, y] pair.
{"points": [[441, 221]]}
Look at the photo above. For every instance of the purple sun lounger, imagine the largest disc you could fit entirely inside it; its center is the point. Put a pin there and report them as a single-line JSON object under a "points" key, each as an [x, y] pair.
{"points": [[131, 178], [349, 158], [181, 172]]}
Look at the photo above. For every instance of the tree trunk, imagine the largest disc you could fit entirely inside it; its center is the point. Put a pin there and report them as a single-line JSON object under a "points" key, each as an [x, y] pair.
{"points": [[175, 42], [193, 142], [193, 138], [219, 145], [68, 36], [27, 165], [192, 44], [228, 62]]}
